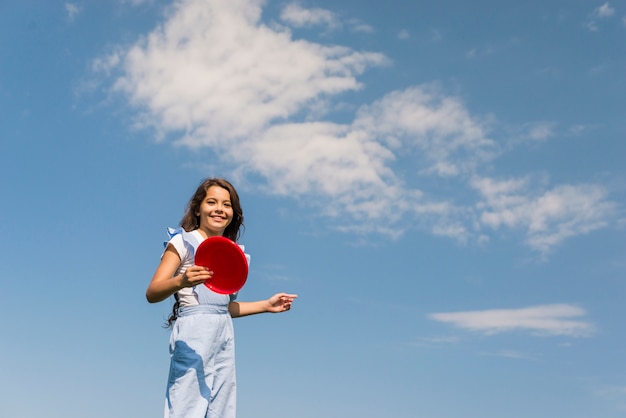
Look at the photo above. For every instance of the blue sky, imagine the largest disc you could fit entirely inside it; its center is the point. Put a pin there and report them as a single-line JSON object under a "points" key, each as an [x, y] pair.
{"points": [[442, 183]]}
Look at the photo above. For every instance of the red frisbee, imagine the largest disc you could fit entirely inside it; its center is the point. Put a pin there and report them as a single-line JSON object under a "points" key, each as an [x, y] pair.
{"points": [[227, 262]]}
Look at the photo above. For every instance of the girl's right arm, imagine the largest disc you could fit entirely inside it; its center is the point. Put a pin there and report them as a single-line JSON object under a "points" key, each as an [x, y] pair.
{"points": [[164, 284]]}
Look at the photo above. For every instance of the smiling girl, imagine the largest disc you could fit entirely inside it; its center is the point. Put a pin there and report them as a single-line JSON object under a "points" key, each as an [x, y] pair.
{"points": [[202, 352]]}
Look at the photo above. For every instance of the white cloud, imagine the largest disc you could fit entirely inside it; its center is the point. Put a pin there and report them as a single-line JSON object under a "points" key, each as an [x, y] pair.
{"points": [[358, 26], [108, 62], [548, 217], [433, 127], [558, 319], [72, 10], [136, 2], [601, 12], [297, 16], [481, 52], [604, 11], [323, 158], [213, 75], [530, 133], [539, 131], [592, 26]]}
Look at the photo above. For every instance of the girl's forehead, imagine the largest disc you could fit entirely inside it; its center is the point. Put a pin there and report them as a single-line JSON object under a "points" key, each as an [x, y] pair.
{"points": [[217, 191]]}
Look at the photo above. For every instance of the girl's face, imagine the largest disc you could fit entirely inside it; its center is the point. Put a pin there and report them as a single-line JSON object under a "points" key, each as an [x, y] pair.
{"points": [[215, 212]]}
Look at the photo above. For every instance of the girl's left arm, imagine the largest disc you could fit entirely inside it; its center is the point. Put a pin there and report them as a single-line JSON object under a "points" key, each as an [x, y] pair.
{"points": [[280, 302]]}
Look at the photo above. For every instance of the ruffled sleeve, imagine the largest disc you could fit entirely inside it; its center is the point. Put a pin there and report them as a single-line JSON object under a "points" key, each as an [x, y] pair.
{"points": [[172, 232]]}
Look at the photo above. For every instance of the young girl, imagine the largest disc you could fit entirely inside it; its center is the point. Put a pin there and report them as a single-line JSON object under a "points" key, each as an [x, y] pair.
{"points": [[201, 380]]}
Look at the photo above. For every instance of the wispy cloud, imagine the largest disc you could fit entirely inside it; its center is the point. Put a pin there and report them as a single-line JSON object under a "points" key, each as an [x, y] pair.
{"points": [[601, 12], [404, 34], [538, 131], [431, 342], [436, 35], [488, 49], [512, 354], [473, 53], [548, 217], [214, 75], [136, 2], [356, 25], [558, 319], [298, 16], [72, 10], [614, 394]]}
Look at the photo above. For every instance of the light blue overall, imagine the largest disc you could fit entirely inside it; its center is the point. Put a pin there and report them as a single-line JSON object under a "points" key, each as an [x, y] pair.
{"points": [[201, 381]]}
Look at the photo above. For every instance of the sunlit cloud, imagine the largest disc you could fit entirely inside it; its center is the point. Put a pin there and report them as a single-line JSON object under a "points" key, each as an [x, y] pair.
{"points": [[214, 76], [548, 217], [298, 16], [437, 129], [212, 96], [547, 320]]}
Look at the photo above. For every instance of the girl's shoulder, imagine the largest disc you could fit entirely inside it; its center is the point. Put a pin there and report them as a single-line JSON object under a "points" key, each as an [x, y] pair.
{"points": [[183, 242]]}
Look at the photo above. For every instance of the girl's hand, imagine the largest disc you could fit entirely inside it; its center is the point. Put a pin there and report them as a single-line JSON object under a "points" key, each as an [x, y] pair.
{"points": [[195, 275], [280, 302]]}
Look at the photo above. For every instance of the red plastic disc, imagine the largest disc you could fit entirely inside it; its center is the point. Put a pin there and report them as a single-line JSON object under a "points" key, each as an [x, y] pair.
{"points": [[227, 262]]}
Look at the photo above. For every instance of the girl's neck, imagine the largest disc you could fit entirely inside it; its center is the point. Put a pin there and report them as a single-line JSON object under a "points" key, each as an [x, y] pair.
{"points": [[207, 234]]}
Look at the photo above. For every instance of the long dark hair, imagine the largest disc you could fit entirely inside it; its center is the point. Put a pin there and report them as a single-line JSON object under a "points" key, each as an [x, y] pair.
{"points": [[190, 220]]}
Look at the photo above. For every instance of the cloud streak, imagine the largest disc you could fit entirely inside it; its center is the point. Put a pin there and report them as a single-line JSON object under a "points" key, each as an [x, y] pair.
{"points": [[547, 320]]}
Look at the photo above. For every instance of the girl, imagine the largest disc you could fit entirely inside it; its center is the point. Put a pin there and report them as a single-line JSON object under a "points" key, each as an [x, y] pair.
{"points": [[201, 380]]}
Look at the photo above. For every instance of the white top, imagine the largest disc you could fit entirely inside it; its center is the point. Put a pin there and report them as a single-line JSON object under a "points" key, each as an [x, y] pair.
{"points": [[186, 248]]}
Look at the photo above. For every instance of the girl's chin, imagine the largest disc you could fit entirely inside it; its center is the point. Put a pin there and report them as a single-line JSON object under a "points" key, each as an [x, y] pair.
{"points": [[213, 230]]}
